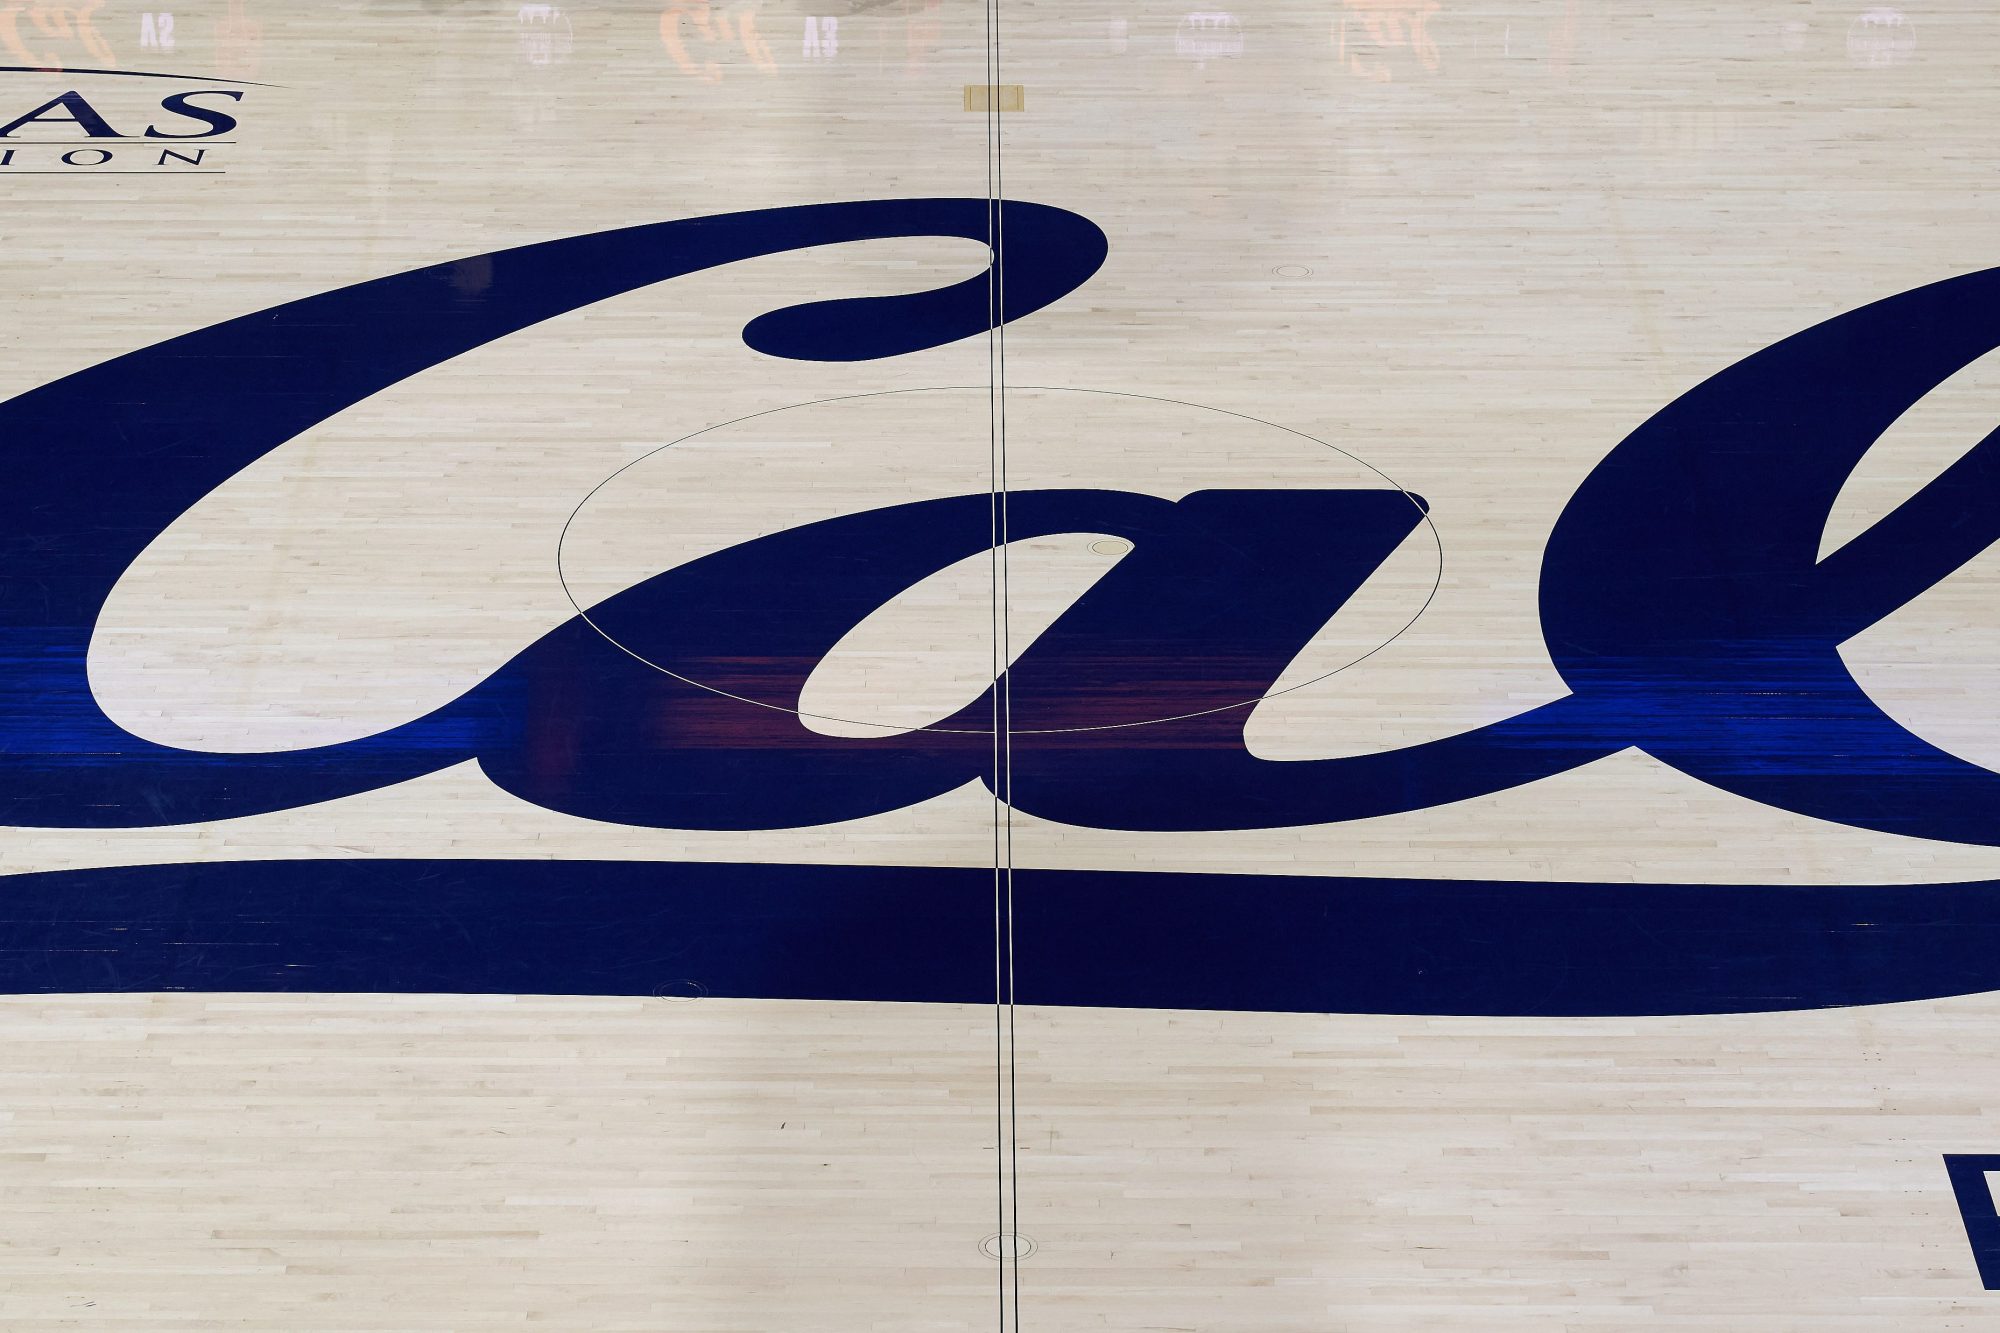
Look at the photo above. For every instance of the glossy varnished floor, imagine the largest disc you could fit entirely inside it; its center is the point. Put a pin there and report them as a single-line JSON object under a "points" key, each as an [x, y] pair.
{"points": [[1470, 246]]}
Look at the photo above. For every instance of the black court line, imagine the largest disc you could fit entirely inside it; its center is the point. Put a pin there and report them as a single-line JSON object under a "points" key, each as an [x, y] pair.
{"points": [[1007, 1108]]}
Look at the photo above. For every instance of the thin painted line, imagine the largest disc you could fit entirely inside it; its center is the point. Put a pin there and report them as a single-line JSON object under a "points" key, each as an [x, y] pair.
{"points": [[131, 74], [997, 664], [1007, 1064], [1003, 1163], [583, 613]]}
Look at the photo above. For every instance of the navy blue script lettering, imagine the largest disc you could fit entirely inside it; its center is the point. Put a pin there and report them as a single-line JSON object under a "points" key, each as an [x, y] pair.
{"points": [[1682, 597]]}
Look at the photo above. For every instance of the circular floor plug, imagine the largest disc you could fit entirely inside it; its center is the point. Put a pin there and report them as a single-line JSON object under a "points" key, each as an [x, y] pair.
{"points": [[680, 991], [1007, 1245]]}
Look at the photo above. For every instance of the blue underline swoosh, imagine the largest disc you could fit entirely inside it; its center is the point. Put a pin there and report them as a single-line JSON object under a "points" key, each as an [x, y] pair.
{"points": [[133, 74], [1129, 939]]}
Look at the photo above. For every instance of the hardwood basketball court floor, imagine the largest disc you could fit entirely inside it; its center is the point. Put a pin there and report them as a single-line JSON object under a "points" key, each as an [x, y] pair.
{"points": [[836, 665]]}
